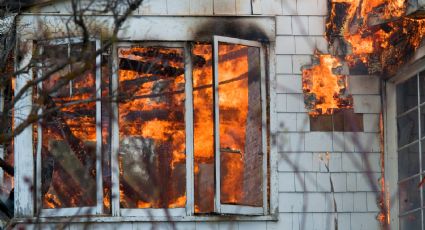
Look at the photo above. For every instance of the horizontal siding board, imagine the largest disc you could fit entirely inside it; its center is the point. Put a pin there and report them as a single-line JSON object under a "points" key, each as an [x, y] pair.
{"points": [[153, 7], [181, 7], [243, 7], [224, 7], [201, 7]]}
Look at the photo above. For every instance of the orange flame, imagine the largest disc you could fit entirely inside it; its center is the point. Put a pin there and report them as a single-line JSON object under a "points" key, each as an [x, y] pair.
{"points": [[322, 88]]}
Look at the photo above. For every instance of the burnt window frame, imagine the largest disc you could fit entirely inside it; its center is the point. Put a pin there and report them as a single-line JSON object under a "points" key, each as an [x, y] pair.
{"points": [[414, 70], [74, 211]]}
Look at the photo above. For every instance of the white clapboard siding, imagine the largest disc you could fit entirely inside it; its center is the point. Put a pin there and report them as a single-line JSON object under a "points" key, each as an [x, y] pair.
{"points": [[153, 7], [271, 7], [243, 7], [224, 7], [201, 7], [180, 7], [256, 6]]}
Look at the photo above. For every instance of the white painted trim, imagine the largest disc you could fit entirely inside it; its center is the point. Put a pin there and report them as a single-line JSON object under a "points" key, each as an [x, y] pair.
{"points": [[120, 219], [153, 212], [150, 28], [217, 207], [1, 146], [60, 212], [24, 161], [99, 175], [274, 157], [115, 139], [264, 127], [99, 171], [241, 209], [38, 186], [190, 181], [391, 159]]}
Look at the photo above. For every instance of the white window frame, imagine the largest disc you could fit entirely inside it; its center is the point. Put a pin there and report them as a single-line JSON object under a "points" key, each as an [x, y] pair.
{"points": [[74, 211], [412, 69], [267, 212], [240, 209], [115, 202]]}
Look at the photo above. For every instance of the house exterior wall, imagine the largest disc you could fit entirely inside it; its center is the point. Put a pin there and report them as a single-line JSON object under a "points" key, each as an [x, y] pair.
{"points": [[315, 169]]}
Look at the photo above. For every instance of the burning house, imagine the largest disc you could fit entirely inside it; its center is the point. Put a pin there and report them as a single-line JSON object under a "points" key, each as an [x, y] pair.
{"points": [[214, 114]]}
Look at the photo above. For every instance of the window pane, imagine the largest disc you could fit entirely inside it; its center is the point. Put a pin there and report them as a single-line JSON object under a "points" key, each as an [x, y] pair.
{"points": [[411, 221], [422, 121], [407, 95], [152, 128], [240, 124], [69, 139], [409, 195], [408, 161], [422, 86], [408, 128], [203, 115]]}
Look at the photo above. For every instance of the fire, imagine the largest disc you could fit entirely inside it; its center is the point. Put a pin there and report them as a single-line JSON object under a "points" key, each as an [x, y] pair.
{"points": [[203, 138], [152, 128], [238, 74], [374, 35], [324, 90], [68, 142]]}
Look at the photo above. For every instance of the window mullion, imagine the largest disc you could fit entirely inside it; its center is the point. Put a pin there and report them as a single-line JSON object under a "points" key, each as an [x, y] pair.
{"points": [[264, 127], [189, 132], [216, 127], [420, 148], [115, 195], [39, 144], [99, 174]]}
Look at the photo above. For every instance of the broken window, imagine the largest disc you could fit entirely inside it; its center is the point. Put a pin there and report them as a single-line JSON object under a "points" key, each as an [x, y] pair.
{"points": [[176, 126]]}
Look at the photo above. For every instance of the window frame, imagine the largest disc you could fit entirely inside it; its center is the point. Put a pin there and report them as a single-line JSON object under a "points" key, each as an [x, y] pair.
{"points": [[270, 194], [115, 195], [411, 70], [239, 209], [74, 211]]}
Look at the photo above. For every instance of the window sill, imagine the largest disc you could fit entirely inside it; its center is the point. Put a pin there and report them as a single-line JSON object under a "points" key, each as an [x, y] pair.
{"points": [[115, 219]]}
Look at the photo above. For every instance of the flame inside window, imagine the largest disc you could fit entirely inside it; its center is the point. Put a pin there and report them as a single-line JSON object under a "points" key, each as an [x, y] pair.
{"points": [[152, 128], [240, 125], [68, 149]]}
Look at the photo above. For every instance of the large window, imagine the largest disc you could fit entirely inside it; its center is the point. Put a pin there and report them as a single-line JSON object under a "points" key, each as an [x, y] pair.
{"points": [[410, 135], [176, 129]]}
